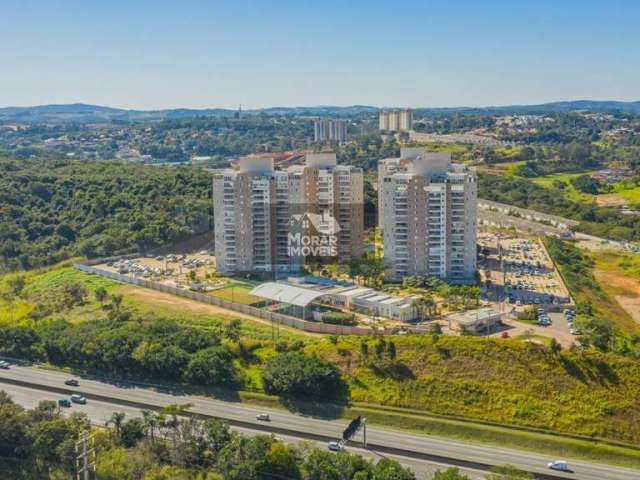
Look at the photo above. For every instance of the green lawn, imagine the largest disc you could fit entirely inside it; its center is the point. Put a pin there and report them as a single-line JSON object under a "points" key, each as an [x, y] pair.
{"points": [[236, 293], [569, 191], [628, 191]]}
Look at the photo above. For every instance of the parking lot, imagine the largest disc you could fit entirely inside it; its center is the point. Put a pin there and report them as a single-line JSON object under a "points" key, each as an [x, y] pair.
{"points": [[520, 272], [176, 270]]}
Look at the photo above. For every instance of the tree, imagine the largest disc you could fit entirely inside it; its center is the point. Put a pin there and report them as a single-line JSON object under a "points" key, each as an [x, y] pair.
{"points": [[211, 366], [364, 348], [131, 432], [449, 474], [116, 301], [16, 284], [598, 332], [387, 469], [294, 373], [74, 293], [555, 346], [391, 350], [116, 419], [101, 294], [245, 458], [508, 472], [232, 329]]}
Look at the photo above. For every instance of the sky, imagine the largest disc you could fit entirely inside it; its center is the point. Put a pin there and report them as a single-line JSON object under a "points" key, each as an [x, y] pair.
{"points": [[157, 54]]}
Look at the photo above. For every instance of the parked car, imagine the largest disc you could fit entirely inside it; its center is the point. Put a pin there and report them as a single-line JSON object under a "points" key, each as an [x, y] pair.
{"points": [[504, 334], [263, 417], [72, 382], [77, 398], [560, 465], [64, 403], [335, 446], [4, 365]]}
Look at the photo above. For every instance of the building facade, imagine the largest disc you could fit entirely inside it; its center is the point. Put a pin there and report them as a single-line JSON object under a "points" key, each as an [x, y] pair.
{"points": [[395, 120], [330, 131], [428, 217], [272, 221]]}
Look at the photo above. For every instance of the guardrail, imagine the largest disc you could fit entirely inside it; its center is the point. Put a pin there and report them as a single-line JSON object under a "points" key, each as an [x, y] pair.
{"points": [[312, 327]]}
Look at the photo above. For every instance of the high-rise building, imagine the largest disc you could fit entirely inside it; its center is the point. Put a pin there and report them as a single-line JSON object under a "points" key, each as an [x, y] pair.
{"points": [[395, 120], [429, 217], [269, 220], [330, 131]]}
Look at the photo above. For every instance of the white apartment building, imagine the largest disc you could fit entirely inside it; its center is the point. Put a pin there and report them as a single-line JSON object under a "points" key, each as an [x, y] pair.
{"points": [[395, 120], [429, 216], [259, 211], [330, 131]]}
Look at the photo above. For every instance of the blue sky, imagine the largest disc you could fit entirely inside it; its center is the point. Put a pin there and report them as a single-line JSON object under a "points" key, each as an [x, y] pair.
{"points": [[162, 54]]}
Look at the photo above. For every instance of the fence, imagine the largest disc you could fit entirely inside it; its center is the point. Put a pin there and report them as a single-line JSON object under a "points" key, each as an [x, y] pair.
{"points": [[313, 327]]}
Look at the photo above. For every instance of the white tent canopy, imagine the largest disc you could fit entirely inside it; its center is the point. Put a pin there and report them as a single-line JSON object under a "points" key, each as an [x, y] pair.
{"points": [[285, 293]]}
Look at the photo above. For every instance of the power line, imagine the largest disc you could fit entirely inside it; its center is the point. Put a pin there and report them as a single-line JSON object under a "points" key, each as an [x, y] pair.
{"points": [[85, 456]]}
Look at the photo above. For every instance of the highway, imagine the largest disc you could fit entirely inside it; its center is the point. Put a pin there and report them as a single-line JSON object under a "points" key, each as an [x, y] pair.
{"points": [[422, 453]]}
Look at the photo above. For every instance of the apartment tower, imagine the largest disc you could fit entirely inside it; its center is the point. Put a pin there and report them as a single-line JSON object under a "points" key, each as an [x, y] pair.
{"points": [[395, 120], [259, 211], [330, 131], [428, 217]]}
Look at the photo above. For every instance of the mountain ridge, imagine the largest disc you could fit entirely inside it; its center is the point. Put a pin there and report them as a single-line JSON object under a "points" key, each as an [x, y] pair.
{"points": [[87, 113]]}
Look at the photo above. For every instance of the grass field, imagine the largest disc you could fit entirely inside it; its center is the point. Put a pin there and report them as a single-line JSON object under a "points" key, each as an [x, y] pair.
{"points": [[236, 293], [453, 148], [137, 299], [593, 395]]}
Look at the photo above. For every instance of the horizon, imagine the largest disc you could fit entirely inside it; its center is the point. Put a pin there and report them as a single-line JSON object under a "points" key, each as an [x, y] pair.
{"points": [[314, 106], [158, 55]]}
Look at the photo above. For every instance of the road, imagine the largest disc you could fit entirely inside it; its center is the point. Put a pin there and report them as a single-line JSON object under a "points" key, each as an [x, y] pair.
{"points": [[420, 452]]}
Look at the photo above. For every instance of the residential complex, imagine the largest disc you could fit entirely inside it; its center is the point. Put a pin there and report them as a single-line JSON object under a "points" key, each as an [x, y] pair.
{"points": [[272, 221], [329, 131], [428, 207], [395, 120]]}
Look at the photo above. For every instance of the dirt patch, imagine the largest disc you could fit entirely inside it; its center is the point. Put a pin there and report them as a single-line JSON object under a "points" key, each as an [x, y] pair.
{"points": [[610, 200], [628, 290], [631, 305], [155, 297]]}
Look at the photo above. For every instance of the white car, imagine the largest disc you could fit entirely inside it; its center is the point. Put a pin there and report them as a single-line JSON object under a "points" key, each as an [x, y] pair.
{"points": [[4, 365], [335, 446], [263, 417], [559, 465], [77, 398]]}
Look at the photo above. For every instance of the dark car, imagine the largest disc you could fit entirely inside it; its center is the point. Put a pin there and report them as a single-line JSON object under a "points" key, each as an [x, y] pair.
{"points": [[71, 382], [63, 402]]}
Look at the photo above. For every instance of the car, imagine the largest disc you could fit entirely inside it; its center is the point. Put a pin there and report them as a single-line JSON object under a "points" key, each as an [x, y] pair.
{"points": [[504, 334], [560, 465], [63, 402], [4, 365], [72, 382], [335, 446], [77, 398], [263, 417]]}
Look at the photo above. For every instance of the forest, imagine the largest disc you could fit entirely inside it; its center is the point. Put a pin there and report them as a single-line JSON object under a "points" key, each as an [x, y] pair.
{"points": [[52, 209]]}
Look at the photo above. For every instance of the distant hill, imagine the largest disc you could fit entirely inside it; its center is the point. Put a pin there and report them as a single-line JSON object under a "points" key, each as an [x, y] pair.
{"points": [[551, 107], [83, 113]]}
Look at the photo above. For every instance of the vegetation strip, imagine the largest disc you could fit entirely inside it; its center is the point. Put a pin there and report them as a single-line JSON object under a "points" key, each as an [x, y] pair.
{"points": [[276, 430]]}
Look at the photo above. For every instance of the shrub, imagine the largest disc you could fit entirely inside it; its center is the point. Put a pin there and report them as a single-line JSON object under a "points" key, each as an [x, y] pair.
{"points": [[297, 374]]}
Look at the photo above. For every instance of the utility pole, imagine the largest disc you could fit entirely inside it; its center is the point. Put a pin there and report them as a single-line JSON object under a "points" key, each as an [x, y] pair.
{"points": [[364, 432], [85, 456]]}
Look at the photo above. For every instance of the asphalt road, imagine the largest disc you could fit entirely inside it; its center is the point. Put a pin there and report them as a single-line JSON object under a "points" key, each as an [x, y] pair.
{"points": [[420, 452]]}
